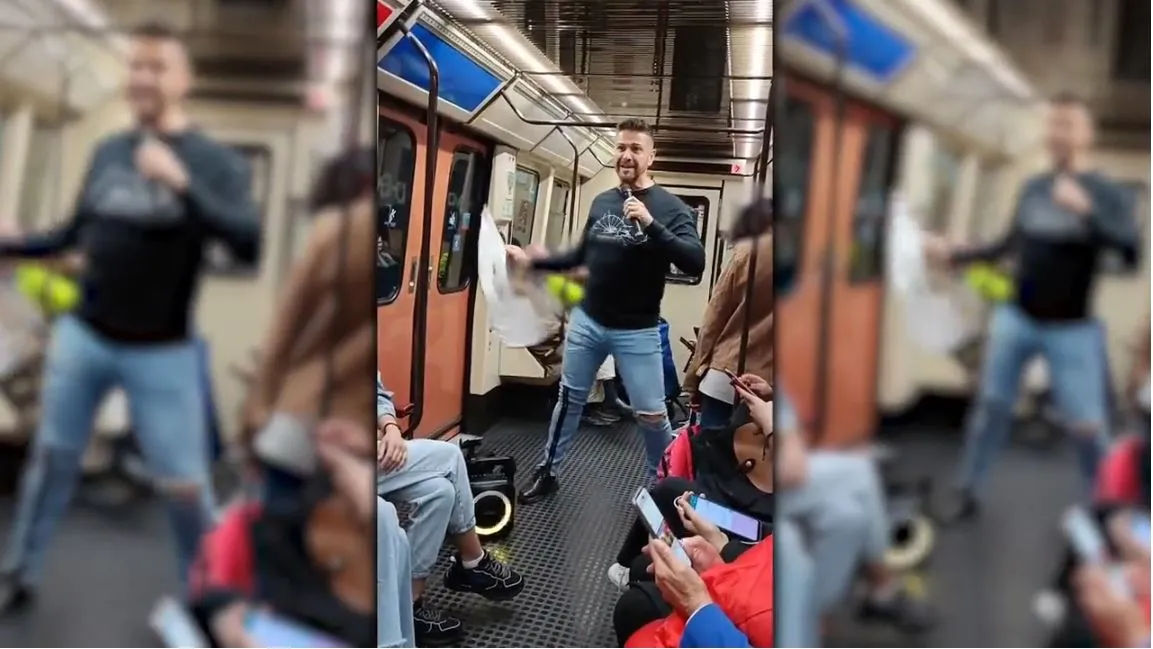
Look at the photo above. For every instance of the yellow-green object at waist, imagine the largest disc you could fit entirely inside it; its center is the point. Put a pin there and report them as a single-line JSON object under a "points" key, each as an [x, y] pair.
{"points": [[51, 291]]}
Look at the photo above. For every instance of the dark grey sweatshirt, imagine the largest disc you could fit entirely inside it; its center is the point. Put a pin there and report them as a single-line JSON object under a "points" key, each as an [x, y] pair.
{"points": [[627, 264], [1057, 251], [143, 244]]}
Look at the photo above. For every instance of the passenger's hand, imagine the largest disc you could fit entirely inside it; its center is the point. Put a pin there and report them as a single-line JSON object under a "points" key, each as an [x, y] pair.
{"points": [[228, 626], [1110, 611], [155, 160], [699, 525], [391, 449], [702, 553], [680, 585], [343, 447], [758, 385], [1069, 194], [760, 411], [1133, 552], [635, 210]]}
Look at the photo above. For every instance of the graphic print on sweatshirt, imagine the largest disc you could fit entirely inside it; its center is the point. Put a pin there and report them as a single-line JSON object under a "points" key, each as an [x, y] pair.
{"points": [[612, 228], [120, 193]]}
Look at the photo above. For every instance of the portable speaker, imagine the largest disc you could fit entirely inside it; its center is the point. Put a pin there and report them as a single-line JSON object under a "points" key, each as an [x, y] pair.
{"points": [[493, 482]]}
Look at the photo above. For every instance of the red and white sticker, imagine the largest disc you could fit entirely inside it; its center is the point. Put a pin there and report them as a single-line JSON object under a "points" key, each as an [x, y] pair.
{"points": [[385, 14]]}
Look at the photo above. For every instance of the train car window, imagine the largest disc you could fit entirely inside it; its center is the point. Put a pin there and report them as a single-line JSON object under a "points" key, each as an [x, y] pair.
{"points": [[700, 207], [866, 255], [1111, 262], [524, 202], [792, 162], [395, 164], [457, 249], [946, 169], [218, 259], [555, 230]]}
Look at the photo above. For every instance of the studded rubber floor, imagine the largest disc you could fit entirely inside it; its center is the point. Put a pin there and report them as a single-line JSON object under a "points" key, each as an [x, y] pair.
{"points": [[562, 546]]}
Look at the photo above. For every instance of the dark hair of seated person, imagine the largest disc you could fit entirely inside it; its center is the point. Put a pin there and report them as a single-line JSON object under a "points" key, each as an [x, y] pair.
{"points": [[721, 474]]}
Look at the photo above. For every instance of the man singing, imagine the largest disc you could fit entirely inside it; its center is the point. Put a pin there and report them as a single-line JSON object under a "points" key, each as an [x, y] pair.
{"points": [[151, 200], [1065, 218], [632, 235]]}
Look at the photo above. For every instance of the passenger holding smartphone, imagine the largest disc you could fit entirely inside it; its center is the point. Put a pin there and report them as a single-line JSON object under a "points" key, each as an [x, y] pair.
{"points": [[1118, 611]]}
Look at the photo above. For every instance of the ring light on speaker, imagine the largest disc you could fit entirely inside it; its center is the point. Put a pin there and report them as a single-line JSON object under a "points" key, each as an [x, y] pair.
{"points": [[484, 529]]}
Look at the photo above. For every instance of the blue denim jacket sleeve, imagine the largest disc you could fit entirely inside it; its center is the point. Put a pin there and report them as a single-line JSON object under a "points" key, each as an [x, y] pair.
{"points": [[384, 405]]}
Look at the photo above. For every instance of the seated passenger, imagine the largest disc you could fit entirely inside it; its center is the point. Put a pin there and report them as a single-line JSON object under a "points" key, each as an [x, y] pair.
{"points": [[314, 360], [394, 577], [831, 515], [431, 476], [719, 342], [710, 603], [727, 465]]}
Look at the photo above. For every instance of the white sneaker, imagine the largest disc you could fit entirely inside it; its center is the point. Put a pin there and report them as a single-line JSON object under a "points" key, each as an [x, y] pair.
{"points": [[619, 576]]}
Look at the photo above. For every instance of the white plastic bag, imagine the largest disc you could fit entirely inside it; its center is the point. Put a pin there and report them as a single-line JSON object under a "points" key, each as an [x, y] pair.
{"points": [[935, 320], [520, 316]]}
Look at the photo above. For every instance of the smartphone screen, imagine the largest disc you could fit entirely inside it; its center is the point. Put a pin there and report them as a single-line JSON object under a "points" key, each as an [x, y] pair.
{"points": [[1088, 542], [1085, 536], [176, 626], [733, 522], [272, 630], [656, 524]]}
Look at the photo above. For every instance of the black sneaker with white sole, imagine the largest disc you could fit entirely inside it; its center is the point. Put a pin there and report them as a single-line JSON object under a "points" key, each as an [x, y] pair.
{"points": [[433, 627], [490, 579]]}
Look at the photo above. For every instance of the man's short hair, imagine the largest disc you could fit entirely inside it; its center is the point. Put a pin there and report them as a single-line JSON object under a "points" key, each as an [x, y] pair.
{"points": [[634, 125], [155, 29]]}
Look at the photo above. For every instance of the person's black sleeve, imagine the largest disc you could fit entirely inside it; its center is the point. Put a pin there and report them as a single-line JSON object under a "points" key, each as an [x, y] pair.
{"points": [[223, 200], [680, 241], [567, 260], [1113, 223], [733, 550], [989, 252]]}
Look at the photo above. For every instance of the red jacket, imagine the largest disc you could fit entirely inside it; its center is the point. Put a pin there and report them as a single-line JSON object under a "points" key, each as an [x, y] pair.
{"points": [[744, 591], [678, 458], [1117, 477]]}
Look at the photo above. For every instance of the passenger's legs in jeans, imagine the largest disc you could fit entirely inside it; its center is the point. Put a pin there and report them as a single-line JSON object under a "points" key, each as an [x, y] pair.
{"points": [[714, 412], [393, 579], [637, 353], [1012, 341], [79, 371], [584, 350], [797, 616], [840, 510], [1078, 376], [434, 481], [166, 400]]}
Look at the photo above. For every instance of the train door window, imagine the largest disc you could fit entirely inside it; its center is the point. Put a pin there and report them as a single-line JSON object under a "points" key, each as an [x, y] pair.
{"points": [[946, 171], [456, 255], [218, 258], [792, 162], [395, 164], [554, 232], [524, 202], [700, 208], [866, 255]]}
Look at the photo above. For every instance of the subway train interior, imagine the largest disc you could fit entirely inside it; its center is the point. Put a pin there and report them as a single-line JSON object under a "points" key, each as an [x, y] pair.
{"points": [[923, 99], [527, 95]]}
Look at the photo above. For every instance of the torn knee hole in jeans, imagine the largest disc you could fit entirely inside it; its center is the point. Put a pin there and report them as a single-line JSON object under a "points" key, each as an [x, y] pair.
{"points": [[186, 490], [651, 417]]}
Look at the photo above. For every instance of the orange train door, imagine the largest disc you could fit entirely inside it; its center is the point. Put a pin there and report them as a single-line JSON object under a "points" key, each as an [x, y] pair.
{"points": [[800, 188], [831, 368], [400, 196], [458, 196]]}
